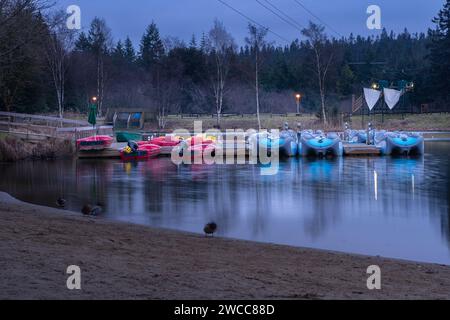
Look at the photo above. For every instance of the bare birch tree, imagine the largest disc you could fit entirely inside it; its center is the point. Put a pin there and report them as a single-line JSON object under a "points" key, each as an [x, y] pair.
{"points": [[58, 46], [101, 42], [222, 46], [317, 39], [256, 40]]}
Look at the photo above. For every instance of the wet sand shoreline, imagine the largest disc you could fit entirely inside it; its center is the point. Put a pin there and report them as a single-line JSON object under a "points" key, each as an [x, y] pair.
{"points": [[125, 261]]}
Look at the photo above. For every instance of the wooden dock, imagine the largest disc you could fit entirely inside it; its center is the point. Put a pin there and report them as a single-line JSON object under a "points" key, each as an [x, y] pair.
{"points": [[350, 149], [361, 149]]}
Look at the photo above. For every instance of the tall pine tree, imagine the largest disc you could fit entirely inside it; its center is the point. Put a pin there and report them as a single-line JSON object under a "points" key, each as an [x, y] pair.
{"points": [[119, 51], [440, 53], [82, 43], [151, 48], [130, 54]]}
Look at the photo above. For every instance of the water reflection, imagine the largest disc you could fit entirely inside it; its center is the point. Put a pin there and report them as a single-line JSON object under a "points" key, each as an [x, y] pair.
{"points": [[395, 207]]}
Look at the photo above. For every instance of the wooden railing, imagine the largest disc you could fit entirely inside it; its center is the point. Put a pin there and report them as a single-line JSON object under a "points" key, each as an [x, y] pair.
{"points": [[27, 131], [34, 127], [235, 115], [39, 120], [83, 132]]}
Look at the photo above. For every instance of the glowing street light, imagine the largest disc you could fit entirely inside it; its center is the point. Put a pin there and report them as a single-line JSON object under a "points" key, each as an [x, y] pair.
{"points": [[298, 99], [375, 86], [94, 99]]}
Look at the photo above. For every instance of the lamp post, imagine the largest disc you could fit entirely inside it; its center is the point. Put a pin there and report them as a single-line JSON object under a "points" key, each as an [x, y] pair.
{"points": [[92, 117], [298, 99]]}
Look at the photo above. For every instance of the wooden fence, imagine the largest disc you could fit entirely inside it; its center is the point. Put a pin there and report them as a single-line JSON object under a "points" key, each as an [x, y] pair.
{"points": [[40, 120], [76, 133], [236, 115], [33, 127]]}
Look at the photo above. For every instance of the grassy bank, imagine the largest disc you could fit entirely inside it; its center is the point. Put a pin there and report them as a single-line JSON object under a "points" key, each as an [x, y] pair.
{"points": [[419, 122], [412, 122], [238, 122], [13, 149]]}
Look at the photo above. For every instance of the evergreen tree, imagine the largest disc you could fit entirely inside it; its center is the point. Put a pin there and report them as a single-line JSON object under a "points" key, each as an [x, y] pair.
{"points": [[82, 44], [346, 81], [193, 42], [119, 52], [130, 54], [151, 48], [204, 43], [99, 36], [440, 53]]}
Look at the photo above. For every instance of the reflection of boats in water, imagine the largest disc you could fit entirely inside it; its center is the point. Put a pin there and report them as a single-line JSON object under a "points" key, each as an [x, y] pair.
{"points": [[159, 168], [320, 144], [410, 170], [315, 169]]}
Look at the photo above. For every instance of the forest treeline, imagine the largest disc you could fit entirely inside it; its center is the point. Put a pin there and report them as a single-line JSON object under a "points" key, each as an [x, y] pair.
{"points": [[45, 67]]}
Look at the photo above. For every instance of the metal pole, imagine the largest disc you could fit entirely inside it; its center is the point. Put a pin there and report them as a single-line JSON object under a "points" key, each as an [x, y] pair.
{"points": [[362, 117]]}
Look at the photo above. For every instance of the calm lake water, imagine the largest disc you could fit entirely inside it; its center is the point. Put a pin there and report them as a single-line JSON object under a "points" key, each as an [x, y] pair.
{"points": [[393, 207]]}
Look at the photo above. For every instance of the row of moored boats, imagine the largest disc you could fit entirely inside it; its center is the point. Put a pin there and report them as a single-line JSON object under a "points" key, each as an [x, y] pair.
{"points": [[288, 143]]}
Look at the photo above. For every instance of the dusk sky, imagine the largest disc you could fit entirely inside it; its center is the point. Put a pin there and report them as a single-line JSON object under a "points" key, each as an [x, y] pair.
{"points": [[182, 18]]}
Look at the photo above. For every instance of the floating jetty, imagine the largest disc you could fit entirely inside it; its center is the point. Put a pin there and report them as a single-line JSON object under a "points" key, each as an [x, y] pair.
{"points": [[350, 149], [361, 149], [346, 148]]}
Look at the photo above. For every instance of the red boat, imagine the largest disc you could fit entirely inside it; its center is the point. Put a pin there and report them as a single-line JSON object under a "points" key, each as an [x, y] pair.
{"points": [[94, 143], [166, 143], [152, 149], [144, 152], [197, 146], [199, 141]]}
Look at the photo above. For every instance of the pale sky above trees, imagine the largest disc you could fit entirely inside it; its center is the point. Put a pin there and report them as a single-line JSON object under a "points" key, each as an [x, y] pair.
{"points": [[181, 18]]}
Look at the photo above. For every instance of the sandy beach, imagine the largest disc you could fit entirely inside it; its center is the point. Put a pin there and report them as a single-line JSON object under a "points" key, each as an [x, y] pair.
{"points": [[125, 261]]}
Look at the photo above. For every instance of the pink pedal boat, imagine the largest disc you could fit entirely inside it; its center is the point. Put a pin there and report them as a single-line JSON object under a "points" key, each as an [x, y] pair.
{"points": [[94, 143]]}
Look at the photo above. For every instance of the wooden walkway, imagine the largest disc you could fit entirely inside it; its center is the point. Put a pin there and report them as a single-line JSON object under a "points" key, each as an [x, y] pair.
{"points": [[47, 121], [360, 149], [37, 128]]}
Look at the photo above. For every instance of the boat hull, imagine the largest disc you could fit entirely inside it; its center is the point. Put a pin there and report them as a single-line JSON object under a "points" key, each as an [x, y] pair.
{"points": [[320, 147], [145, 152], [404, 145], [167, 144], [94, 143], [265, 144], [135, 156]]}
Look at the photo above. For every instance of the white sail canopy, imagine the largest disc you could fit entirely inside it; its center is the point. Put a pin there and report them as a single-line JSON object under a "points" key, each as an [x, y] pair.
{"points": [[392, 97], [372, 96]]}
